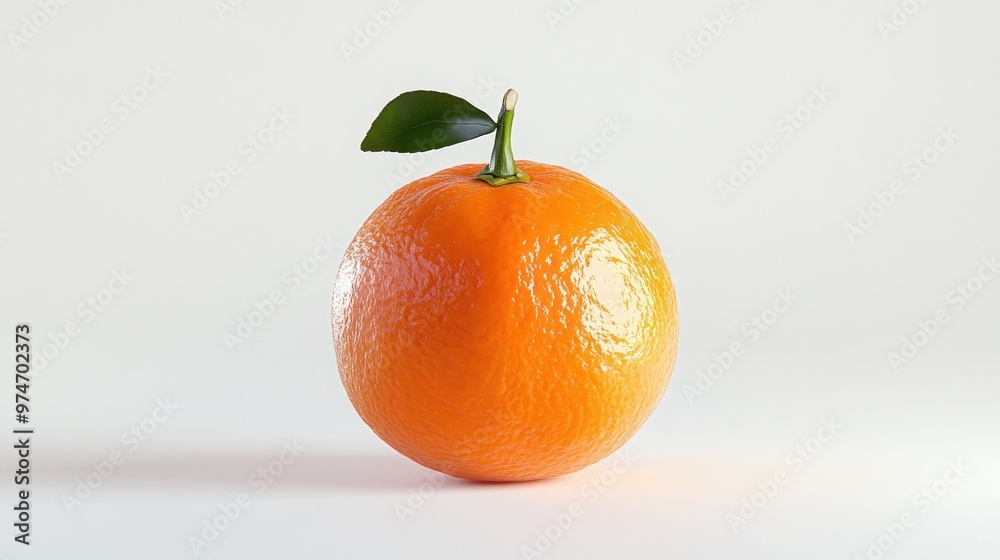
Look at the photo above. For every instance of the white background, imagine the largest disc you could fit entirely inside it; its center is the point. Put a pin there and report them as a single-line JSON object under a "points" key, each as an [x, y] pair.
{"points": [[63, 235]]}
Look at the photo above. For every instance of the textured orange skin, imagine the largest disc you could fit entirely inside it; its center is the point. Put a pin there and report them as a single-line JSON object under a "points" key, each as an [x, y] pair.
{"points": [[504, 333]]}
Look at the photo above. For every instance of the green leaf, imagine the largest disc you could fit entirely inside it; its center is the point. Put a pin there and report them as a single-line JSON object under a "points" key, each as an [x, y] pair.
{"points": [[420, 121]]}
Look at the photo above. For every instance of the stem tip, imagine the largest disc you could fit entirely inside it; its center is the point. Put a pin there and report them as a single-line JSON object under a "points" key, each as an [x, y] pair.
{"points": [[509, 100]]}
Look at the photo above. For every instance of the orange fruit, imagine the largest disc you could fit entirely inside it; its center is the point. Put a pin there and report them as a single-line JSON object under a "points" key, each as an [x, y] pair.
{"points": [[500, 333]]}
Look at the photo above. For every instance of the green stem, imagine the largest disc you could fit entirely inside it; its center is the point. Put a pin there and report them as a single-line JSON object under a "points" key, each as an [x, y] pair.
{"points": [[502, 170]]}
